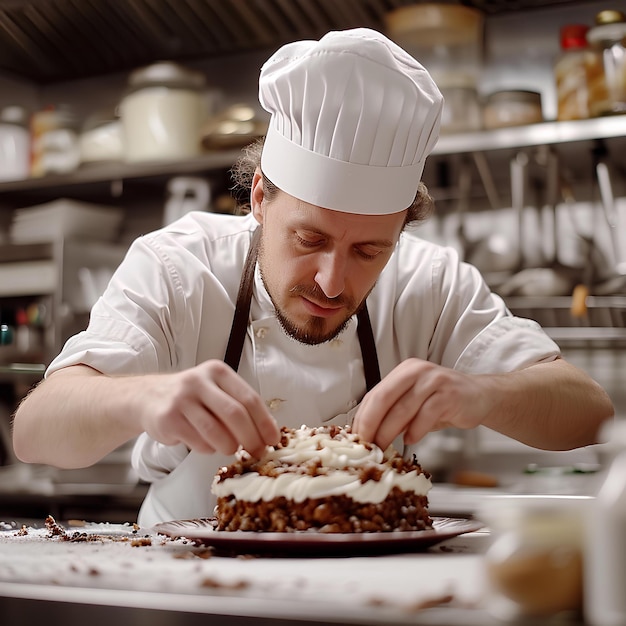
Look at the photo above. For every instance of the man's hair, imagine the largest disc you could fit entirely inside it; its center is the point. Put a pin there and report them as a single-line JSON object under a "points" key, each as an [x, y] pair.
{"points": [[243, 172]]}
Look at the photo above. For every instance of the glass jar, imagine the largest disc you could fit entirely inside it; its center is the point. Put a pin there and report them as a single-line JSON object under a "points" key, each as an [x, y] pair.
{"points": [[512, 108], [570, 73], [607, 70], [163, 112], [448, 41], [534, 565]]}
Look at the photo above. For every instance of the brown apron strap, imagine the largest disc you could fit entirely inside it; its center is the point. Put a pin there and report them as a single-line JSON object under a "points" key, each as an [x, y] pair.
{"points": [[368, 348], [242, 308], [241, 320]]}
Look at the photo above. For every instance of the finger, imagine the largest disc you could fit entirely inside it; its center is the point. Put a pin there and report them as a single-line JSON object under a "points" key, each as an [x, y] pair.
{"points": [[210, 429], [425, 421], [185, 433], [241, 411], [377, 404]]}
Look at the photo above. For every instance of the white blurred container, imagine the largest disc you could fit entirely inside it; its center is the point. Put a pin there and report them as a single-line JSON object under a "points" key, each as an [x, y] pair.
{"points": [[14, 144], [101, 138], [534, 564], [163, 112], [605, 546], [54, 144]]}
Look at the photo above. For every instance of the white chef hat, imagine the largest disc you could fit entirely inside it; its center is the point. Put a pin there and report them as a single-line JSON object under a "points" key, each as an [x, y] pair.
{"points": [[353, 118]]}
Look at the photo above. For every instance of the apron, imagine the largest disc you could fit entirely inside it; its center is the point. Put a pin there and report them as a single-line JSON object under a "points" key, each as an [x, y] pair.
{"points": [[185, 492]]}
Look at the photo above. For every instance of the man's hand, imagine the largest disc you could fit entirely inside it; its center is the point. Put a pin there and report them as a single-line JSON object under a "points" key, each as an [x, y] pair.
{"points": [[551, 405], [78, 415], [209, 408], [418, 397]]}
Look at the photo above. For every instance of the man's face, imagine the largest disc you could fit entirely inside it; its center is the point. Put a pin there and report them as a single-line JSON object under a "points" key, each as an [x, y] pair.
{"points": [[318, 265]]}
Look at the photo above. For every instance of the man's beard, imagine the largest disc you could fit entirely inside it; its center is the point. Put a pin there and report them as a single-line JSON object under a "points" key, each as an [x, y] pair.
{"points": [[313, 332]]}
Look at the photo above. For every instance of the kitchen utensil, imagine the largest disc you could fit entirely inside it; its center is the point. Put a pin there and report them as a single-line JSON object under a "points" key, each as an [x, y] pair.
{"points": [[519, 182], [611, 217], [552, 278], [186, 193], [491, 253]]}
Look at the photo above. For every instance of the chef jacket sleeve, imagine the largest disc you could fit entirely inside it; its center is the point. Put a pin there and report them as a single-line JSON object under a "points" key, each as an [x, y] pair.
{"points": [[447, 303]]}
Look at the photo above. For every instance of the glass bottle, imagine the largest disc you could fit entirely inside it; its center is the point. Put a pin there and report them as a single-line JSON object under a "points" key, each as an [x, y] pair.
{"points": [[606, 75], [570, 73]]}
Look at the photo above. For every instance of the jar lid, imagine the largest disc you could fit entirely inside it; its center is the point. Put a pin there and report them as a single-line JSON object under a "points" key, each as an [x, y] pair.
{"points": [[609, 16], [574, 36], [514, 96], [614, 434], [434, 23], [14, 114], [610, 27], [509, 511], [167, 74]]}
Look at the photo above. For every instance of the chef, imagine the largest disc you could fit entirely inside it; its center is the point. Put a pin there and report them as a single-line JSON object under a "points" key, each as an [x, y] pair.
{"points": [[318, 305]]}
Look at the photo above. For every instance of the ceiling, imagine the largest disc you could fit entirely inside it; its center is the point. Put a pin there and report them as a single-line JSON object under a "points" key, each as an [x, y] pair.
{"points": [[48, 41]]}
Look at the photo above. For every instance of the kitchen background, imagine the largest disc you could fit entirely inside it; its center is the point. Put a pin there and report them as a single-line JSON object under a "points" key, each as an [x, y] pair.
{"points": [[117, 117]]}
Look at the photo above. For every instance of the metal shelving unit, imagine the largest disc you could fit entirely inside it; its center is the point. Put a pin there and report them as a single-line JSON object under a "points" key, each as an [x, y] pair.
{"points": [[604, 322], [111, 172], [542, 134]]}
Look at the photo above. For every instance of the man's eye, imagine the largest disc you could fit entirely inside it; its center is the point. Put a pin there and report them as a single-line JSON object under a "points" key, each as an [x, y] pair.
{"points": [[368, 255], [308, 243]]}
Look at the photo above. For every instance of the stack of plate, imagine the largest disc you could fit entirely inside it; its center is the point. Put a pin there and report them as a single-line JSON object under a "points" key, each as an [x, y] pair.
{"points": [[65, 218]]}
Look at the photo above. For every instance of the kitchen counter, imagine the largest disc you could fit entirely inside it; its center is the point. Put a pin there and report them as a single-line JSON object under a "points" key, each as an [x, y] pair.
{"points": [[118, 573]]}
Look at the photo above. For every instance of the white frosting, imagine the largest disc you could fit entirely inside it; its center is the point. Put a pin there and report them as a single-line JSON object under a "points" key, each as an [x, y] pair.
{"points": [[342, 458]]}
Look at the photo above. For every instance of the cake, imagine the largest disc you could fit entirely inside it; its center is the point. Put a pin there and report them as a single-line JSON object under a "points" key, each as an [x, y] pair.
{"points": [[325, 479]]}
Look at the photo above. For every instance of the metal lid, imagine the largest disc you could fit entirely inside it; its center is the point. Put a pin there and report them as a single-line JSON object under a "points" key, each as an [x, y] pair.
{"points": [[166, 74], [433, 23], [609, 16]]}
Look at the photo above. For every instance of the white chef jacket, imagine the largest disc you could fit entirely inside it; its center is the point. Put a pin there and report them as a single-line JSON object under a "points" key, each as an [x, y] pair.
{"points": [[170, 305]]}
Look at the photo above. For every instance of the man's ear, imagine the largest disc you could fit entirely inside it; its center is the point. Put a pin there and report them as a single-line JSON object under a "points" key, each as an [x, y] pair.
{"points": [[257, 196]]}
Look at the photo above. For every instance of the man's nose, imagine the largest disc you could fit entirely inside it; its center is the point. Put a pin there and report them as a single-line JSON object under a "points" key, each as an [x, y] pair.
{"points": [[331, 274]]}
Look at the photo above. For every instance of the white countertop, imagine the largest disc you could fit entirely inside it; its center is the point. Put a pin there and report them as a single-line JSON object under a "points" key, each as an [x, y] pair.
{"points": [[173, 573]]}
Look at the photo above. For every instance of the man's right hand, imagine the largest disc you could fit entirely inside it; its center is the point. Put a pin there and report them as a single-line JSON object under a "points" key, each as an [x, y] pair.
{"points": [[78, 415], [209, 408]]}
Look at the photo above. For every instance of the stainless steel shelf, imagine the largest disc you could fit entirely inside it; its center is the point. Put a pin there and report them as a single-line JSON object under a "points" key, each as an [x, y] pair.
{"points": [[118, 171], [544, 133], [565, 302], [605, 322], [585, 334]]}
